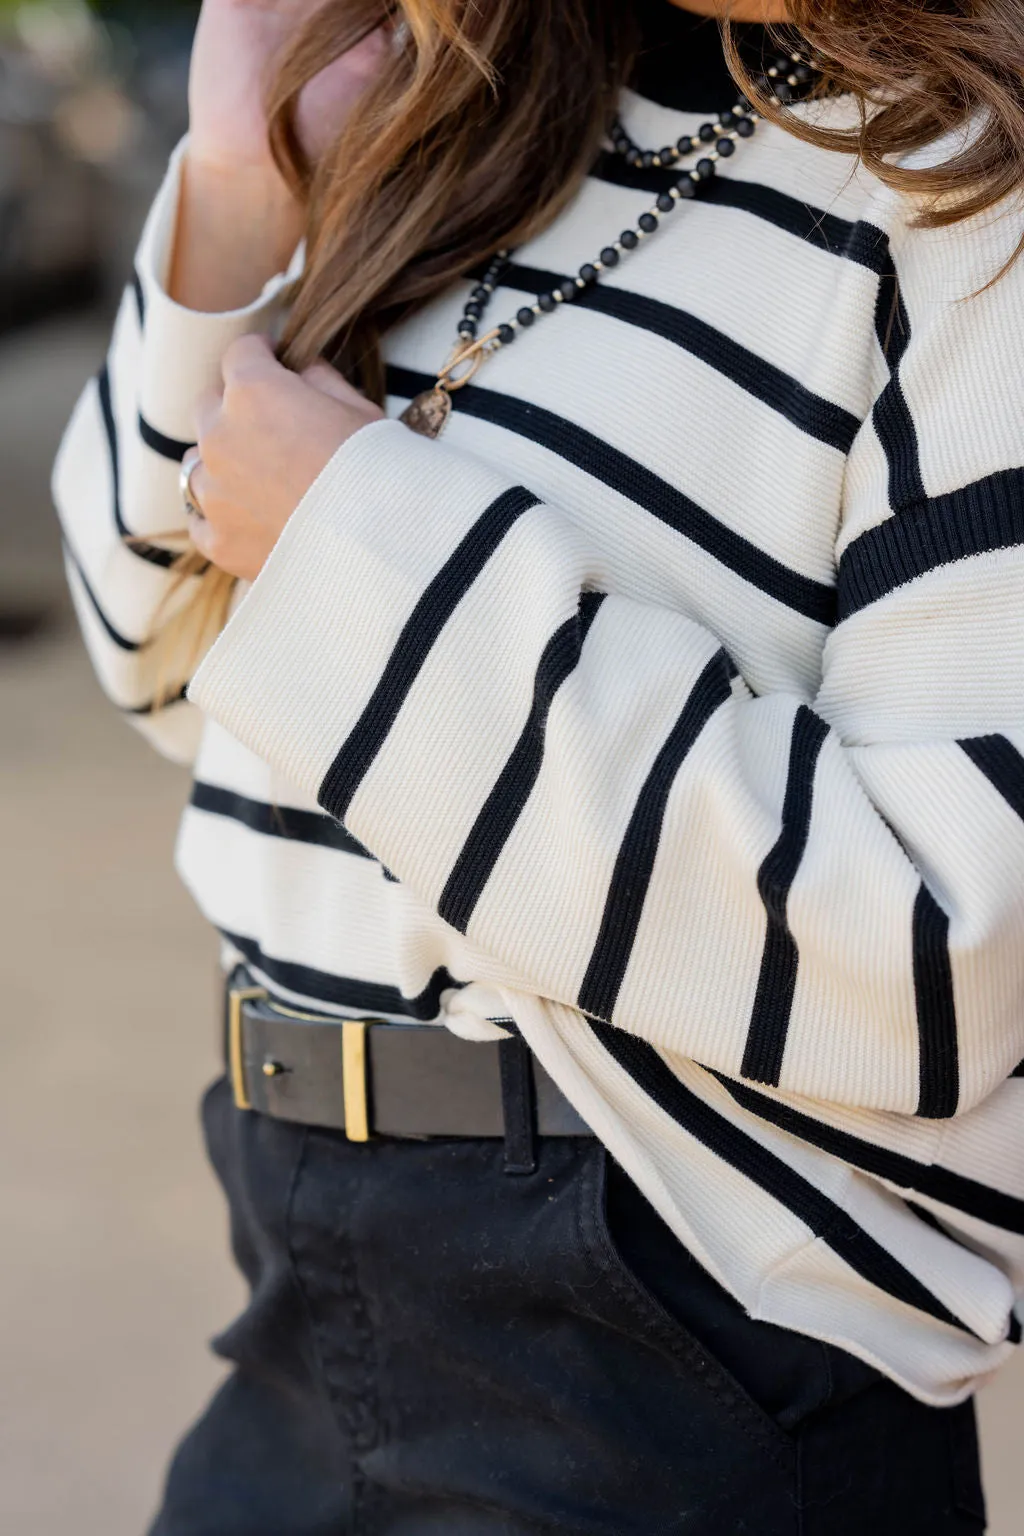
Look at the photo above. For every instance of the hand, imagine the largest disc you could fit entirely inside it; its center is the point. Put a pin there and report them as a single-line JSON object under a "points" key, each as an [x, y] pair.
{"points": [[238, 222], [237, 44], [262, 443]]}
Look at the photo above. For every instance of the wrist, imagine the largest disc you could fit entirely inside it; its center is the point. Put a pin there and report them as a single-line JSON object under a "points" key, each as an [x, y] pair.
{"points": [[237, 226]]}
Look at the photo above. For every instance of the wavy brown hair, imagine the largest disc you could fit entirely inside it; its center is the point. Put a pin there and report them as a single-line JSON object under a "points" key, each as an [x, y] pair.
{"points": [[489, 113], [921, 70]]}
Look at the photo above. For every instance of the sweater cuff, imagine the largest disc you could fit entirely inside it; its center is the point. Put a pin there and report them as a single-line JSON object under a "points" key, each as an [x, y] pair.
{"points": [[296, 669], [183, 348]]}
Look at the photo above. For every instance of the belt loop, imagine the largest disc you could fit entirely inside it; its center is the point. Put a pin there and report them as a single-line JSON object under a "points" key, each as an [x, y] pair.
{"points": [[519, 1105]]}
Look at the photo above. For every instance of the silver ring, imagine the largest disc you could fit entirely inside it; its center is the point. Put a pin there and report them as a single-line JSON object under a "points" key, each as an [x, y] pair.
{"points": [[189, 464]]}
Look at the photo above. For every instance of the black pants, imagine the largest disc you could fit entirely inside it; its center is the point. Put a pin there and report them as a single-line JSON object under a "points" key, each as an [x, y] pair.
{"points": [[434, 1348]]}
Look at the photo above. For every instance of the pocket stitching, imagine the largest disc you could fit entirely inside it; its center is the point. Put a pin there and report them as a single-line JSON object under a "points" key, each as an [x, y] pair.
{"points": [[666, 1330]]}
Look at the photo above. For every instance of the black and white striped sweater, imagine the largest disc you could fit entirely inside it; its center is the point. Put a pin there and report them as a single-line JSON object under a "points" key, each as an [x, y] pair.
{"points": [[672, 706]]}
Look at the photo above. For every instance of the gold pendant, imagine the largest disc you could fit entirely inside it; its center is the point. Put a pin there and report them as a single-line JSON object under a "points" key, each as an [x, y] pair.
{"points": [[428, 413]]}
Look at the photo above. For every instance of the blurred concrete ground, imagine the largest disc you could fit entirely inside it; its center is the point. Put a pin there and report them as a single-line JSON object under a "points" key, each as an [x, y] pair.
{"points": [[113, 1260]]}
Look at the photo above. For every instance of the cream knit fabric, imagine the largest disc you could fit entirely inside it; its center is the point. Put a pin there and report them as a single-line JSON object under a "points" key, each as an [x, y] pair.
{"points": [[671, 706]]}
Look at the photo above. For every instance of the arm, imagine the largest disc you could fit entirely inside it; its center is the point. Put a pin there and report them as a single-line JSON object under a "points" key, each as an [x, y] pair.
{"points": [[116, 476], [208, 271], [821, 893]]}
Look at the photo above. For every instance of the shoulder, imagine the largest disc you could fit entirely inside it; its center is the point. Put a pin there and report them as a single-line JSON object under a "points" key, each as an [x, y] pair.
{"points": [[949, 321], [950, 262]]}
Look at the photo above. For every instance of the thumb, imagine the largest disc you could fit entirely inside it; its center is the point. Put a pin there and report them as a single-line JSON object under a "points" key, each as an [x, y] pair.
{"points": [[328, 381]]}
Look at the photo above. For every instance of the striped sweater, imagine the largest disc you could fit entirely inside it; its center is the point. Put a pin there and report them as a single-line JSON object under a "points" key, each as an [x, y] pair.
{"points": [[670, 706]]}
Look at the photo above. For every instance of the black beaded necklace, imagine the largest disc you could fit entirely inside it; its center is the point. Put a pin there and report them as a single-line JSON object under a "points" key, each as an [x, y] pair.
{"points": [[786, 77]]}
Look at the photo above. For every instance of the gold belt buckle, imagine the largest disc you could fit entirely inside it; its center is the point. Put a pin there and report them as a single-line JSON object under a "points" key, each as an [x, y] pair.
{"points": [[353, 1078], [236, 1066], [353, 1061]]}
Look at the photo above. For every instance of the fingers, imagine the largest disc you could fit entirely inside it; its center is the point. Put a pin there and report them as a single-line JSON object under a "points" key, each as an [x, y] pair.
{"points": [[292, 10], [247, 359], [328, 381], [326, 101], [200, 530], [189, 465], [200, 534], [251, 360], [207, 413]]}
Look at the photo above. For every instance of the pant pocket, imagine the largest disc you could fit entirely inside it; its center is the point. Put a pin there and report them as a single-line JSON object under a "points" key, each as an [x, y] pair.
{"points": [[783, 1376], [663, 1298], [965, 1461]]}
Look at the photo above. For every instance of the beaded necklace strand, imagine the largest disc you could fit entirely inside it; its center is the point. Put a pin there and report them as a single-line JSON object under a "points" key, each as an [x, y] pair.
{"points": [[785, 77]]}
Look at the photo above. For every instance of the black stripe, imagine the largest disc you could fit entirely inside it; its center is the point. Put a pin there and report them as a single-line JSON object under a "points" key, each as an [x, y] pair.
{"points": [[344, 991], [420, 633], [110, 427], [1013, 1333], [939, 1184], [814, 599], [925, 532], [634, 864], [1018, 1070], [936, 1011], [822, 1216], [863, 243], [514, 785], [282, 821], [166, 447], [892, 323], [151, 708], [928, 1218], [151, 553], [973, 520], [1003, 766], [776, 984], [121, 641], [819, 418], [891, 413], [140, 296]]}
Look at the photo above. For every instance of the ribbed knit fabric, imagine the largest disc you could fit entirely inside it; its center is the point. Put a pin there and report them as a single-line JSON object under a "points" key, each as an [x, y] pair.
{"points": [[670, 706]]}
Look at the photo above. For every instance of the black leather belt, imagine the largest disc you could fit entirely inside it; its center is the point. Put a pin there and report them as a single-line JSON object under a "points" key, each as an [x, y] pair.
{"points": [[371, 1077]]}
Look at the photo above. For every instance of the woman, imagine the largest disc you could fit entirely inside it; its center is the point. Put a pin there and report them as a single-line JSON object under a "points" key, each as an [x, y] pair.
{"points": [[647, 711]]}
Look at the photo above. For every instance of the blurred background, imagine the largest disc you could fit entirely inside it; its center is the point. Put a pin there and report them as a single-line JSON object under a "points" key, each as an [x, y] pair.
{"points": [[114, 1267]]}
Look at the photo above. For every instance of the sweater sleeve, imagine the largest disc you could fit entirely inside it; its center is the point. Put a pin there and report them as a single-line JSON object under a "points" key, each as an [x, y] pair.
{"points": [[115, 481], [822, 893]]}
